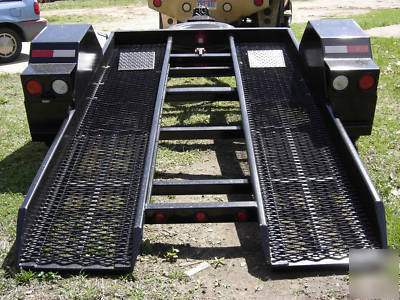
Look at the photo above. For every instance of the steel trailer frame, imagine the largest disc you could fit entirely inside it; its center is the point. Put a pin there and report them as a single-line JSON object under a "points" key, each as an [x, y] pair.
{"points": [[222, 60]]}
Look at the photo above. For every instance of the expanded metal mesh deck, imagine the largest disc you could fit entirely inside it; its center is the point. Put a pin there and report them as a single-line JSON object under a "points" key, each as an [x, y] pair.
{"points": [[313, 211], [86, 209]]}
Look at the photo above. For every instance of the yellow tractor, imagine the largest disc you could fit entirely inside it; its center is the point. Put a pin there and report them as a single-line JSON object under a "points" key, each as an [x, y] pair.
{"points": [[239, 13]]}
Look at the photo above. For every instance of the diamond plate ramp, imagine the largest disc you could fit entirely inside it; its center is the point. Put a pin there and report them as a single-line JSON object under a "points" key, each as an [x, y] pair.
{"points": [[314, 212], [83, 213]]}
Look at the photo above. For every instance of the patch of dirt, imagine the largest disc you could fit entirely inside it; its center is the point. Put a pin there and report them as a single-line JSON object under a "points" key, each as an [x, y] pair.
{"points": [[132, 17], [387, 31]]}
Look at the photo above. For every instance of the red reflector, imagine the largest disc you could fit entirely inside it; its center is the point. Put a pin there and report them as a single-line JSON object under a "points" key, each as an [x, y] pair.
{"points": [[157, 3], [34, 87], [258, 2], [42, 53], [36, 8], [201, 217], [159, 218], [366, 82], [242, 216], [358, 49]]}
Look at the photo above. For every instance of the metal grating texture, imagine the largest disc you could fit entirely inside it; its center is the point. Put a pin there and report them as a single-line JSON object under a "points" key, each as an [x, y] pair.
{"points": [[87, 206], [133, 61], [313, 212], [266, 59]]}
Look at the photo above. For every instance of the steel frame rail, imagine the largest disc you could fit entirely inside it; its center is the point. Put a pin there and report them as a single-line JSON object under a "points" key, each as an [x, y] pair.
{"points": [[149, 168], [262, 221]]}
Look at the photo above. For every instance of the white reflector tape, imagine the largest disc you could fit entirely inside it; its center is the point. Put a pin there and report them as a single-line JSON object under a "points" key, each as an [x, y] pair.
{"points": [[266, 59], [64, 53], [335, 49]]}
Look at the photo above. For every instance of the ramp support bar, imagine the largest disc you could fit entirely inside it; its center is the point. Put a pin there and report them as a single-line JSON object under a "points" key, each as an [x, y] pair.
{"points": [[195, 94], [212, 212], [151, 153], [205, 132], [255, 182], [200, 187]]}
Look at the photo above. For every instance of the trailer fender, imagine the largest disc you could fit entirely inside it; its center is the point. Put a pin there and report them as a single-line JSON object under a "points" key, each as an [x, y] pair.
{"points": [[62, 61]]}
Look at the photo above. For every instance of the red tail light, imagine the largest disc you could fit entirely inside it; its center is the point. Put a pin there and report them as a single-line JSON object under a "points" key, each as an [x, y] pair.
{"points": [[242, 216], [258, 2], [157, 3], [367, 82], [200, 37], [34, 87], [201, 217], [159, 218], [36, 8]]}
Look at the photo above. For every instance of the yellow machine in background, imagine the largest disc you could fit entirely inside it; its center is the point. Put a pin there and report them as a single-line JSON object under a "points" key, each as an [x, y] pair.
{"points": [[240, 13]]}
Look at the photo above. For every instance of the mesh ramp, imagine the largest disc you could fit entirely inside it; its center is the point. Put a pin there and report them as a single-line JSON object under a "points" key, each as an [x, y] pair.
{"points": [[313, 211], [86, 207]]}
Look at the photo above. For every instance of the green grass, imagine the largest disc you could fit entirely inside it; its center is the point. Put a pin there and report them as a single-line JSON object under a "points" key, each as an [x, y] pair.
{"points": [[19, 158], [80, 19], [378, 18], [77, 4], [381, 151]]}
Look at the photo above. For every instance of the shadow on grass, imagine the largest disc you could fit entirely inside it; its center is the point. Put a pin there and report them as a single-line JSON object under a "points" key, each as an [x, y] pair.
{"points": [[213, 82], [9, 263], [18, 169], [183, 147], [182, 114], [250, 249]]}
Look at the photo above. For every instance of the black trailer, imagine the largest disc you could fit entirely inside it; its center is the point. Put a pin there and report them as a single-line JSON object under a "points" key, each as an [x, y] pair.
{"points": [[301, 107]]}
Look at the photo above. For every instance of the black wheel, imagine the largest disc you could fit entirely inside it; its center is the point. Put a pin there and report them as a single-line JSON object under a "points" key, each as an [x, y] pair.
{"points": [[10, 45]]}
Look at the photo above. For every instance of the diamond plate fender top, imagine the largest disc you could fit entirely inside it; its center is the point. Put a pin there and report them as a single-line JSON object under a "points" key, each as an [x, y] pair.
{"points": [[134, 61], [266, 59]]}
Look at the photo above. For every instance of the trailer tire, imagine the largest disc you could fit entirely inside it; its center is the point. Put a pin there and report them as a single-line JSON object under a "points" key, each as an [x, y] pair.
{"points": [[10, 45]]}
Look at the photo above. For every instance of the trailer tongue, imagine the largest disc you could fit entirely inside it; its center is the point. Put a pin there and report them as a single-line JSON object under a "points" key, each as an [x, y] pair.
{"points": [[87, 205]]}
